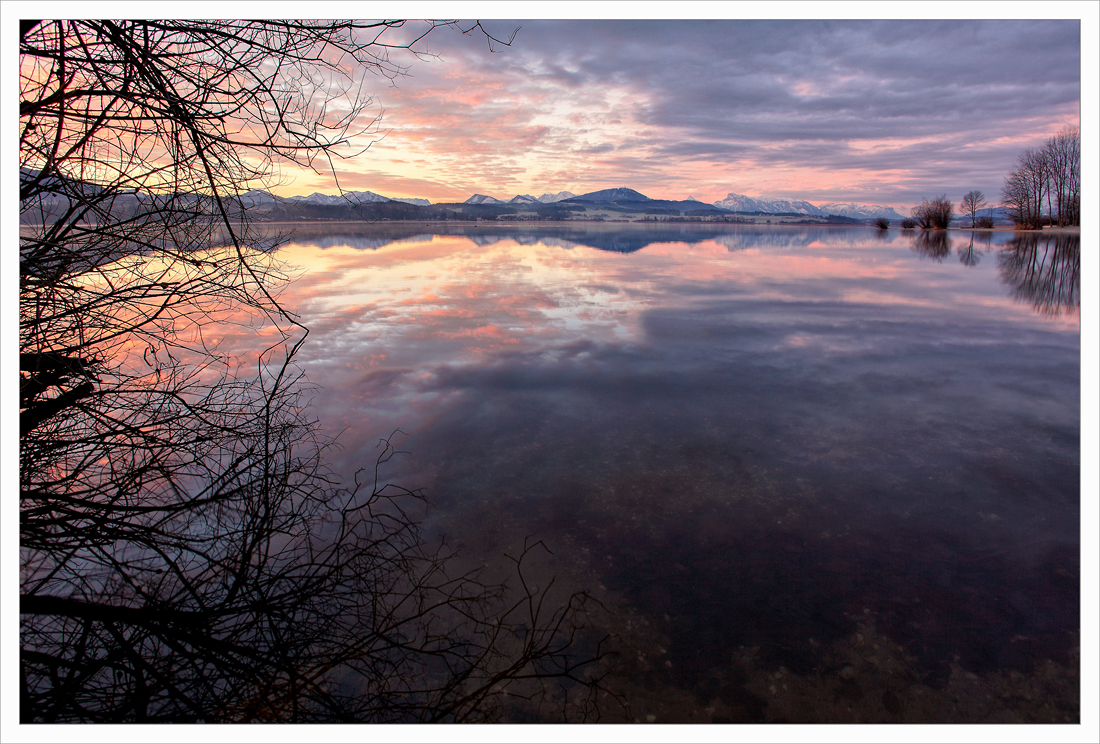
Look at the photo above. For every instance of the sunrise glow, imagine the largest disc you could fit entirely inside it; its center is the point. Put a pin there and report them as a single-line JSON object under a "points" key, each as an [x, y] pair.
{"points": [[870, 112]]}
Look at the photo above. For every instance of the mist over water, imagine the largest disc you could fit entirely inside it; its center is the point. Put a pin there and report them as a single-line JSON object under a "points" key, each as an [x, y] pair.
{"points": [[758, 441]]}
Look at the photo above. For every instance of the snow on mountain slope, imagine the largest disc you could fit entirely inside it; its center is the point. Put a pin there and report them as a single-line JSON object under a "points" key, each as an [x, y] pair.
{"points": [[482, 199], [768, 205], [354, 197], [551, 198], [860, 211]]}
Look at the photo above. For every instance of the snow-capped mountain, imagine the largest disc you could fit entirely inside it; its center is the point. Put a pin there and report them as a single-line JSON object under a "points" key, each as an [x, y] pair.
{"points": [[620, 194], [551, 198], [335, 200], [352, 197], [482, 199], [768, 205], [860, 211], [733, 202]]}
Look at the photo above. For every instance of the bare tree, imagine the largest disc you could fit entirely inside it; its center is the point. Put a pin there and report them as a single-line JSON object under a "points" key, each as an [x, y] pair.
{"points": [[1051, 174], [1025, 188], [971, 203], [920, 215], [185, 553], [1063, 156], [936, 213]]}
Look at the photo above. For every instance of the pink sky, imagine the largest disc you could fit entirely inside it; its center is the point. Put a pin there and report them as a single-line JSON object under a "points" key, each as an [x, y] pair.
{"points": [[879, 113]]}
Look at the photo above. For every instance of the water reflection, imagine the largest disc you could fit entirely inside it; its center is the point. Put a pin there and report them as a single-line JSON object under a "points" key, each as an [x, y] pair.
{"points": [[969, 256], [605, 237], [766, 443], [1044, 270], [933, 244]]}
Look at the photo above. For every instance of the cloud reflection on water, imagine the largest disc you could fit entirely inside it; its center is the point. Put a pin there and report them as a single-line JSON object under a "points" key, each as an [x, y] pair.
{"points": [[822, 389], [388, 321]]}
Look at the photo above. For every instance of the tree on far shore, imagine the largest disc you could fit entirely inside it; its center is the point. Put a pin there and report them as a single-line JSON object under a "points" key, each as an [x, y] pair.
{"points": [[971, 203], [1046, 178], [936, 213]]}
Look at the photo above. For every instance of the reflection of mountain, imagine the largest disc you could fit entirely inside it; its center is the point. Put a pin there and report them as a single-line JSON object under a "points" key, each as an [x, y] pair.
{"points": [[601, 237], [774, 237], [362, 236], [617, 241], [359, 241], [1044, 270]]}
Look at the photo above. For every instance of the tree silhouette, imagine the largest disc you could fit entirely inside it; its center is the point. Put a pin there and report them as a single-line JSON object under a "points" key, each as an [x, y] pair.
{"points": [[1051, 174], [186, 555], [936, 213], [1025, 188], [971, 203]]}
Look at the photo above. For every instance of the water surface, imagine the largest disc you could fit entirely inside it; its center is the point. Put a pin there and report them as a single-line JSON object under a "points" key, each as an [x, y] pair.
{"points": [[819, 474]]}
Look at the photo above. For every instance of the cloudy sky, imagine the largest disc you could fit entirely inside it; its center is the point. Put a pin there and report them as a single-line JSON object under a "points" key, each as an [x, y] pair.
{"points": [[880, 112]]}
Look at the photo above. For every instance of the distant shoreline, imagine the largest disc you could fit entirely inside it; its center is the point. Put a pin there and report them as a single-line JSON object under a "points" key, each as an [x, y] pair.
{"points": [[559, 223], [616, 223]]}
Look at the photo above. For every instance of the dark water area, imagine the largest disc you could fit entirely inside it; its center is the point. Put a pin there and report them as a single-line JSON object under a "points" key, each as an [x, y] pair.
{"points": [[816, 474]]}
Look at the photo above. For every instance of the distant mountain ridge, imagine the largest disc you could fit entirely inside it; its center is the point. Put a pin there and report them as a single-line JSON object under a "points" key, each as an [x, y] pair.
{"points": [[560, 196], [860, 211], [609, 195], [344, 198], [771, 205], [521, 199], [733, 202], [603, 203]]}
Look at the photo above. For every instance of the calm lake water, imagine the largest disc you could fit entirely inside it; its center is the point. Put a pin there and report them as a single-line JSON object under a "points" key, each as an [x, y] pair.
{"points": [[814, 473]]}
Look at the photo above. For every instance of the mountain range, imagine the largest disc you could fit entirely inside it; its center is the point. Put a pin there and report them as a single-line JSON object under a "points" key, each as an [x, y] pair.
{"points": [[352, 197], [769, 205], [732, 202], [623, 196], [621, 199], [521, 199]]}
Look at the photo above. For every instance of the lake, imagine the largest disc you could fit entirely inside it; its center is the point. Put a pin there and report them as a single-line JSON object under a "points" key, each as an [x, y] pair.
{"points": [[816, 473]]}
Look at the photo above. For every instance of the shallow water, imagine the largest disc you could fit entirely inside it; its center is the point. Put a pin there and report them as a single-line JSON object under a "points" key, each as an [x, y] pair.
{"points": [[815, 473]]}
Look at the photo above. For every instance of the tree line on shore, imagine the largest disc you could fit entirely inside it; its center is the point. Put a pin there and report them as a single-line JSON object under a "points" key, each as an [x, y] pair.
{"points": [[1048, 176], [1043, 189]]}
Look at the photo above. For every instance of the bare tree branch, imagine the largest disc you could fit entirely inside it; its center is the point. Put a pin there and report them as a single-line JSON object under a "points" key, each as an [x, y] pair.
{"points": [[186, 555]]}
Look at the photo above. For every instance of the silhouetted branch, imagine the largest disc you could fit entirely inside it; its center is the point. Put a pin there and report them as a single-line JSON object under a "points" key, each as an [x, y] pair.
{"points": [[186, 555]]}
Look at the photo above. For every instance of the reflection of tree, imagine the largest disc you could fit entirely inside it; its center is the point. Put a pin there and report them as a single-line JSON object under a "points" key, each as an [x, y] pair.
{"points": [[933, 244], [968, 256], [1044, 270], [185, 554]]}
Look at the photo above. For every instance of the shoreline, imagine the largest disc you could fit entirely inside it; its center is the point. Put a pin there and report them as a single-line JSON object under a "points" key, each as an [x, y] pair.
{"points": [[616, 223], [1074, 229]]}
